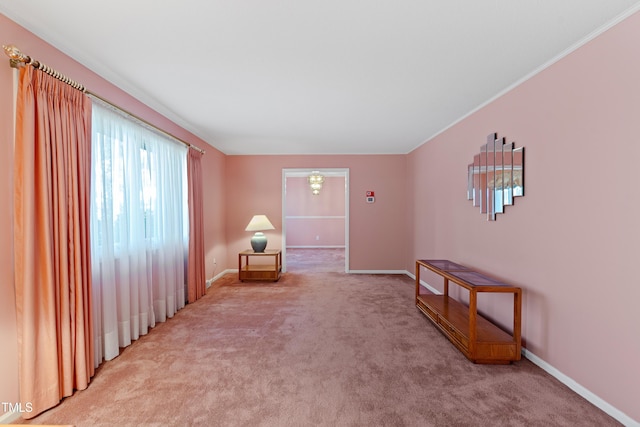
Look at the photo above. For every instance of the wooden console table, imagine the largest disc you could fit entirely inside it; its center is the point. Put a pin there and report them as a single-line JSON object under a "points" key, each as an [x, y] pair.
{"points": [[264, 271], [476, 337]]}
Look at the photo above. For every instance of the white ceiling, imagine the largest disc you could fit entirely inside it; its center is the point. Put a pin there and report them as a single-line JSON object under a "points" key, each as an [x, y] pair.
{"points": [[315, 77]]}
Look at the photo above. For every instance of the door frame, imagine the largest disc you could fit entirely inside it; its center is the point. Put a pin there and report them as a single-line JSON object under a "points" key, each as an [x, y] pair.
{"points": [[304, 172]]}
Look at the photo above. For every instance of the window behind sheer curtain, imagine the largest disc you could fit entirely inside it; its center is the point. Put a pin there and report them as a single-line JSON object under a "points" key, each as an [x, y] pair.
{"points": [[138, 229]]}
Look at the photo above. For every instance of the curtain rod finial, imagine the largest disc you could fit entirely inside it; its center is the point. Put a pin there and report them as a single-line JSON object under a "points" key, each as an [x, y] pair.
{"points": [[15, 56], [12, 52]]}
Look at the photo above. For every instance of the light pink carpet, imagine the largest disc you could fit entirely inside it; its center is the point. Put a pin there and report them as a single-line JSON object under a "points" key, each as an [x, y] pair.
{"points": [[317, 348]]}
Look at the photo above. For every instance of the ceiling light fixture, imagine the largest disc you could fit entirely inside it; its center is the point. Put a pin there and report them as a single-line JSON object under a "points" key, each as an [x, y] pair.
{"points": [[315, 182]]}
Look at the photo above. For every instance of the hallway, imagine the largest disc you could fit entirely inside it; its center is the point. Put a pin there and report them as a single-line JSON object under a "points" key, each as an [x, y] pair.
{"points": [[315, 260]]}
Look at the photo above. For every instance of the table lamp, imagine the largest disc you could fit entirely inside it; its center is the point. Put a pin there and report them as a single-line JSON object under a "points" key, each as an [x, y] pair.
{"points": [[259, 223]]}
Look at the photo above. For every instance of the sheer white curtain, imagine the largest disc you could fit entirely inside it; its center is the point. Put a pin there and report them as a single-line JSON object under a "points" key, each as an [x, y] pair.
{"points": [[138, 225]]}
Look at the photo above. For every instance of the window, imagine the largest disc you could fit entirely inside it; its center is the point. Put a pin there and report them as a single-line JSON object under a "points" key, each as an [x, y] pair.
{"points": [[138, 225]]}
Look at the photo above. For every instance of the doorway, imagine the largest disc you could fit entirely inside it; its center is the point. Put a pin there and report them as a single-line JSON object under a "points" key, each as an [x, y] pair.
{"points": [[331, 217]]}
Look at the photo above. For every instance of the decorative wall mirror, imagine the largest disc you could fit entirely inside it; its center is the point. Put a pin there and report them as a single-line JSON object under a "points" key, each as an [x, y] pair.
{"points": [[496, 176]]}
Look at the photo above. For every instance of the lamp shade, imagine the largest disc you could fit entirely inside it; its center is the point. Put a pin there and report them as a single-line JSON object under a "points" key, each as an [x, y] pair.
{"points": [[257, 224]]}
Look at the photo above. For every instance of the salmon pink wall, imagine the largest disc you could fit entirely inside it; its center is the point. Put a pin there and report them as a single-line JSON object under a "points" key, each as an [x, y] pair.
{"points": [[377, 232], [571, 242], [213, 168], [214, 194]]}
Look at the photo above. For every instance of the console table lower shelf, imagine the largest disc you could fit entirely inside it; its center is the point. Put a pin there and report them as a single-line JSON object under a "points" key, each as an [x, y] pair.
{"points": [[491, 345]]}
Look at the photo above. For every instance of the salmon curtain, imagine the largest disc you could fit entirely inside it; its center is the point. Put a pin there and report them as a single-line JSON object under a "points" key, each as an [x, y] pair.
{"points": [[51, 240], [196, 270]]}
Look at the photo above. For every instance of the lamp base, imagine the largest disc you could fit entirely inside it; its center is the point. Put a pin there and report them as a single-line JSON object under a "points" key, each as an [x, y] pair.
{"points": [[259, 242]]}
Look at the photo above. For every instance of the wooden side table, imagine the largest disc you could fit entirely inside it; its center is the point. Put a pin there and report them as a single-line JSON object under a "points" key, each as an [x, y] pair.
{"points": [[259, 271]]}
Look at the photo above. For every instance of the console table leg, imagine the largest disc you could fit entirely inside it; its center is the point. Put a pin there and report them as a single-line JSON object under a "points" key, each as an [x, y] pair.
{"points": [[473, 312], [417, 281]]}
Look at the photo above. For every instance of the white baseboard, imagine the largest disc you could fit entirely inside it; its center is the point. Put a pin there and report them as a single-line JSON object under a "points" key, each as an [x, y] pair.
{"points": [[9, 417], [582, 391], [377, 271], [564, 379], [317, 247], [219, 275], [425, 284]]}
